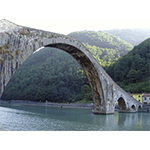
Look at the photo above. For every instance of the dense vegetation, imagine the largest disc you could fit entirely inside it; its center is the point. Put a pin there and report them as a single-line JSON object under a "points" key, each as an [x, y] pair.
{"points": [[49, 74], [133, 36], [132, 71], [106, 48]]}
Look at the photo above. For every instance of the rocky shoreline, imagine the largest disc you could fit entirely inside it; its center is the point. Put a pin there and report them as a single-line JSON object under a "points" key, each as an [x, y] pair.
{"points": [[48, 104]]}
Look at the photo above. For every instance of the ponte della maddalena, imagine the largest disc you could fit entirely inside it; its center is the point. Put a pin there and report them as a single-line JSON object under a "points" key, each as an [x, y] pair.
{"points": [[17, 43]]}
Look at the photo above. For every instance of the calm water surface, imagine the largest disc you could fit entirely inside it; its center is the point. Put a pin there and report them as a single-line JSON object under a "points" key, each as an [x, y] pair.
{"points": [[38, 118]]}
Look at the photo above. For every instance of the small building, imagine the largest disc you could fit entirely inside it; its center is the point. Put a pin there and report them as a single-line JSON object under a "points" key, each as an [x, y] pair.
{"points": [[146, 98], [146, 102], [137, 96]]}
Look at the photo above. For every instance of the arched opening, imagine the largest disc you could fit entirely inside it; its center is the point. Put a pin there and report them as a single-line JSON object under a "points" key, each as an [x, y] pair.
{"points": [[121, 105], [92, 75], [49, 74], [90, 70], [133, 107], [139, 108]]}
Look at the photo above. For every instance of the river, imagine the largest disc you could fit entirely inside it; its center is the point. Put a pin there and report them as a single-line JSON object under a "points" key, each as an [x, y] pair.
{"points": [[40, 118]]}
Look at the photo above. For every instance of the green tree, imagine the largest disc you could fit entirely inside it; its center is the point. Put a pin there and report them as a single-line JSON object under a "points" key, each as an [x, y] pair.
{"points": [[132, 75], [86, 93]]}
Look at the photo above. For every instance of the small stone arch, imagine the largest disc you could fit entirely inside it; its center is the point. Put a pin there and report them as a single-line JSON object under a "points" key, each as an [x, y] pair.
{"points": [[140, 108], [133, 107], [121, 104]]}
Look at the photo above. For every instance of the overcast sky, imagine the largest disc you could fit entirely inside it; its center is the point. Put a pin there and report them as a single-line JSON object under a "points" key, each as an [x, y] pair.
{"points": [[65, 16]]}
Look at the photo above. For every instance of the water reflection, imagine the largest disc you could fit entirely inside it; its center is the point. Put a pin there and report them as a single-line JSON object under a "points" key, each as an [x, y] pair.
{"points": [[133, 121], [31, 118]]}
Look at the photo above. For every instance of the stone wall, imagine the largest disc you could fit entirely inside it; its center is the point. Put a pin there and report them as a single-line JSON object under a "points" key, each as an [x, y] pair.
{"points": [[48, 104]]}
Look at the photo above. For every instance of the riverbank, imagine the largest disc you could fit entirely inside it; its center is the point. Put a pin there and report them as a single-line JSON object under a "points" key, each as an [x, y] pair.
{"points": [[48, 104]]}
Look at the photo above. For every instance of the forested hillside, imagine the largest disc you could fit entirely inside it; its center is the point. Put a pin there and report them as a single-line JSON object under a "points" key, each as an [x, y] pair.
{"points": [[106, 48], [133, 36], [49, 74], [132, 71]]}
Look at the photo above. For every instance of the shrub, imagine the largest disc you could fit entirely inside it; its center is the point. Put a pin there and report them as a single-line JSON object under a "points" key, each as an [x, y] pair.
{"points": [[24, 32], [8, 46], [12, 57], [1, 59], [2, 49], [17, 52]]}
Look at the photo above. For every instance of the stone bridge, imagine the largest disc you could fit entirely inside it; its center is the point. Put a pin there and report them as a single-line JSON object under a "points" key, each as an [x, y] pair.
{"points": [[17, 43]]}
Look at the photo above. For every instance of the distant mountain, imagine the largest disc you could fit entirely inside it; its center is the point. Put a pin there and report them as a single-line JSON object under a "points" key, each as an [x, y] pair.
{"points": [[132, 71], [133, 36], [105, 47]]}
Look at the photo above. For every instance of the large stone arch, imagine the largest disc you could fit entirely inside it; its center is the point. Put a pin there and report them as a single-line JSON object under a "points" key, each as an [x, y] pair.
{"points": [[17, 43], [83, 57], [23, 42]]}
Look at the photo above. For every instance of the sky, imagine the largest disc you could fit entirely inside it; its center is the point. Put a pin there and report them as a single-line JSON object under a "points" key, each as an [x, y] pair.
{"points": [[65, 16]]}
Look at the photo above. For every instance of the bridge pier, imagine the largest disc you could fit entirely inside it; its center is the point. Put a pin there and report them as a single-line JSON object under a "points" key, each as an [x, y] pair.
{"points": [[102, 111], [97, 112], [127, 111]]}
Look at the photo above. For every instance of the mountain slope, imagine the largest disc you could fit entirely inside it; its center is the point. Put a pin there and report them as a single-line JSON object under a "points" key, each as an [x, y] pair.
{"points": [[133, 69], [106, 48], [133, 36]]}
